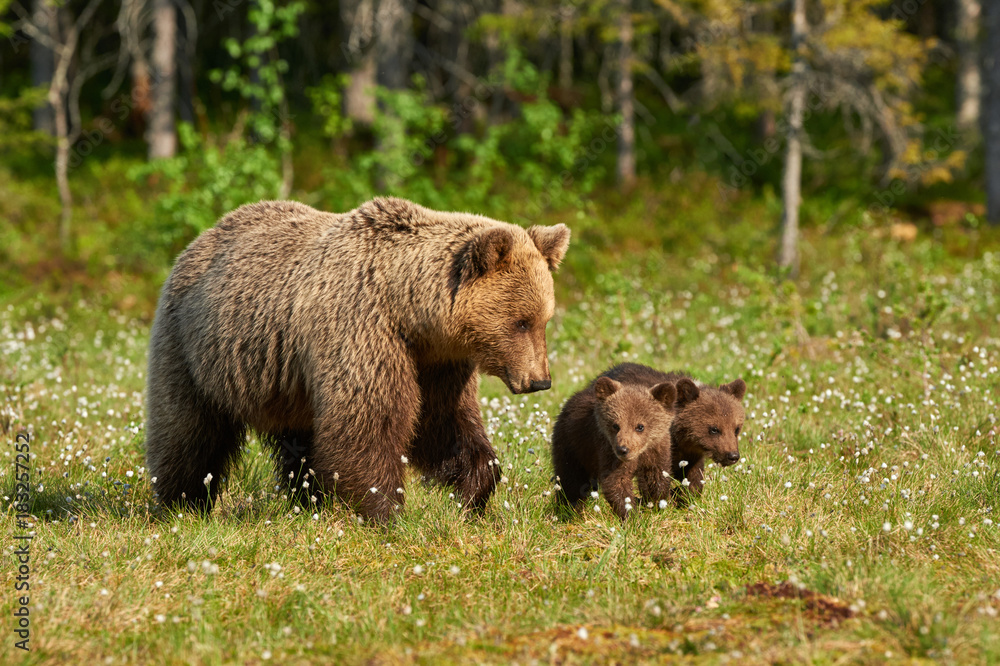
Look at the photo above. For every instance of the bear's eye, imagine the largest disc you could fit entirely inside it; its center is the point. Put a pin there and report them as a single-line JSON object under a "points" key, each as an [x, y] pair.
{"points": [[615, 427], [522, 325], [640, 428], [714, 431]]}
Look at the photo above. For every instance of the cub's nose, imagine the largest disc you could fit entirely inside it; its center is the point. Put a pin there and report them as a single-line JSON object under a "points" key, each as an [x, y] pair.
{"points": [[732, 457], [540, 385]]}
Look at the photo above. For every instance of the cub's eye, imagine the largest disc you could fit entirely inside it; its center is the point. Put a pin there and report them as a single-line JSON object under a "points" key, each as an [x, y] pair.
{"points": [[522, 325], [738, 430], [714, 431], [616, 427], [640, 428]]}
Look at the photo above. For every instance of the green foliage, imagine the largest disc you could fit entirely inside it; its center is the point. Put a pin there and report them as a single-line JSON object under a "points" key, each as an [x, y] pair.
{"points": [[16, 133], [328, 101], [203, 182], [257, 74], [418, 153]]}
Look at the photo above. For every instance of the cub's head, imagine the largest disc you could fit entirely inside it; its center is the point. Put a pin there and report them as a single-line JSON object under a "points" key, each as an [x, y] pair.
{"points": [[710, 419], [633, 417], [503, 299]]}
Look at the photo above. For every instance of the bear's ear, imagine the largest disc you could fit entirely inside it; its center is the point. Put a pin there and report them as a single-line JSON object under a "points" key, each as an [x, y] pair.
{"points": [[687, 391], [551, 242], [605, 387], [736, 388], [665, 394], [486, 253]]}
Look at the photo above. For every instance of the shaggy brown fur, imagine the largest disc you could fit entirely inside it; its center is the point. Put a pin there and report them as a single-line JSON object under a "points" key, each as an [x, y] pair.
{"points": [[610, 433], [707, 421], [349, 342]]}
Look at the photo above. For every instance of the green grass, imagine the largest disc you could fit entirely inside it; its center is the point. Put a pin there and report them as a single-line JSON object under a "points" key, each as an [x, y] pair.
{"points": [[871, 477]]}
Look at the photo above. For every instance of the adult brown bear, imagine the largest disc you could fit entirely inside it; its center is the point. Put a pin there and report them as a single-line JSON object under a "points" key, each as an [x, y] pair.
{"points": [[353, 341]]}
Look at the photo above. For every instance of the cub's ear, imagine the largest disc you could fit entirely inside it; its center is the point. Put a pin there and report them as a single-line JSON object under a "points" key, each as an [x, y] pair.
{"points": [[605, 387], [687, 391], [665, 394], [486, 253], [551, 242], [737, 388]]}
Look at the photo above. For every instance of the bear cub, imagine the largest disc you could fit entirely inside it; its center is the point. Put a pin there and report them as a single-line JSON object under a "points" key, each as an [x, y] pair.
{"points": [[707, 421], [608, 434]]}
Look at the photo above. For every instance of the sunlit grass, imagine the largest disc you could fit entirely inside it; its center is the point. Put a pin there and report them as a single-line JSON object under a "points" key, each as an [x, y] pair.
{"points": [[871, 476]]}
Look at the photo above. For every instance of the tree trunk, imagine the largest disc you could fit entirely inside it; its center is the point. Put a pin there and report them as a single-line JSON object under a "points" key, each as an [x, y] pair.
{"points": [[394, 36], [162, 136], [791, 184], [969, 84], [187, 32], [626, 102], [57, 98], [43, 62], [991, 115], [358, 19], [566, 46]]}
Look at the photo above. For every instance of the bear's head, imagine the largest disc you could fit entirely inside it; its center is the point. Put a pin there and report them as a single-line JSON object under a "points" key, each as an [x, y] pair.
{"points": [[504, 299], [708, 420], [631, 417]]}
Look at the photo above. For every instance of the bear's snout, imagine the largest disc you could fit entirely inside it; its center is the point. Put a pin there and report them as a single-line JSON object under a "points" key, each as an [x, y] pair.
{"points": [[540, 385]]}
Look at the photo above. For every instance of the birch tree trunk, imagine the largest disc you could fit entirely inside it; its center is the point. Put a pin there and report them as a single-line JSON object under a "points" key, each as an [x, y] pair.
{"points": [[991, 110], [626, 105], [43, 61], [969, 85], [791, 183], [162, 136]]}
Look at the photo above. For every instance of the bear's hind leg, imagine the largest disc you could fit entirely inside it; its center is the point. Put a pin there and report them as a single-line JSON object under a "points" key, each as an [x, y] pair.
{"points": [[293, 455], [574, 480], [187, 439], [451, 444]]}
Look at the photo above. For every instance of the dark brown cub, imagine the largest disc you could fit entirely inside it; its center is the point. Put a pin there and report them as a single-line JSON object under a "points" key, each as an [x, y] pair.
{"points": [[609, 433]]}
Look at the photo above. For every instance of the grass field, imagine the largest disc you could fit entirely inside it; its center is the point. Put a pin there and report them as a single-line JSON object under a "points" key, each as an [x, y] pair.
{"points": [[861, 525]]}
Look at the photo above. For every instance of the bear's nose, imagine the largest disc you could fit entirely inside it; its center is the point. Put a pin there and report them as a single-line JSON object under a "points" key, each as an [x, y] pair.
{"points": [[733, 457], [540, 385]]}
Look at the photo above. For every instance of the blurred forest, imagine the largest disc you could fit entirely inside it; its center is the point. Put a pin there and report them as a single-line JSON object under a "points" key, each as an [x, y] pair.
{"points": [[129, 126]]}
